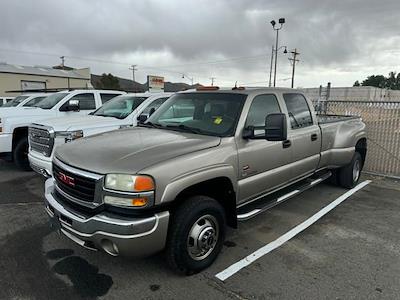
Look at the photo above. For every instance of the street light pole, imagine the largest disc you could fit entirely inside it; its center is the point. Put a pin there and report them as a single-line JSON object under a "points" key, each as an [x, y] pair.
{"points": [[273, 23], [270, 67]]}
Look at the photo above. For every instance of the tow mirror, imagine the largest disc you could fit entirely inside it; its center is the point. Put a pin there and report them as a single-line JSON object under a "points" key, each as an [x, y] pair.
{"points": [[73, 105], [276, 127]]}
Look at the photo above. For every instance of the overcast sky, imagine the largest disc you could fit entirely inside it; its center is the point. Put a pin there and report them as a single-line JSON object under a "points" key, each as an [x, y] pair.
{"points": [[339, 41]]}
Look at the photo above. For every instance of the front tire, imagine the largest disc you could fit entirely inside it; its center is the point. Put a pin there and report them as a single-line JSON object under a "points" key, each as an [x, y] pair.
{"points": [[196, 235], [20, 154], [350, 174]]}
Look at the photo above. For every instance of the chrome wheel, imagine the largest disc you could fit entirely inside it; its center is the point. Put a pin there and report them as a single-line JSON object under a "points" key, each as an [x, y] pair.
{"points": [[356, 170], [203, 236]]}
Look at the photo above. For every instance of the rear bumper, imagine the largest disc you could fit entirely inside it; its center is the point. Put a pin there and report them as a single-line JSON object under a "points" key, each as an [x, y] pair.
{"points": [[5, 143], [40, 164], [116, 235]]}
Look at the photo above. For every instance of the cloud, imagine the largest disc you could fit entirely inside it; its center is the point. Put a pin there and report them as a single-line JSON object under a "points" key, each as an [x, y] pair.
{"points": [[329, 35]]}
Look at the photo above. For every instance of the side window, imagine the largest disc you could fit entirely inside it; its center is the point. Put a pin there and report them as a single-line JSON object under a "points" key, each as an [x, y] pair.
{"points": [[299, 112], [106, 97], [262, 106], [155, 104], [86, 101]]}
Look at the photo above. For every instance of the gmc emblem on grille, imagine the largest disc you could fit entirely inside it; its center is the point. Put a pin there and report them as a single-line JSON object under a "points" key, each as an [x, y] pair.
{"points": [[66, 179]]}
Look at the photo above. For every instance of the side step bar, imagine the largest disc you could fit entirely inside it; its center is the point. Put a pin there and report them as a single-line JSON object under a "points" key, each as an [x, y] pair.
{"points": [[254, 208]]}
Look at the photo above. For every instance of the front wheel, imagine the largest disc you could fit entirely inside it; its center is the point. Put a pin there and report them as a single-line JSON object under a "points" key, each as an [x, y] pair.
{"points": [[196, 234], [350, 174], [20, 154]]}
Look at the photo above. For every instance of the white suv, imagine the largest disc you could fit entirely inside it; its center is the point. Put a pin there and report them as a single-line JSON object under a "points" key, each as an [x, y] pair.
{"points": [[14, 122], [122, 111]]}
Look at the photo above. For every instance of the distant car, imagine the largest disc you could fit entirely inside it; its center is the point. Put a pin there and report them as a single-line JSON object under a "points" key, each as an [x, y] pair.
{"points": [[27, 100], [121, 111], [14, 121], [4, 100]]}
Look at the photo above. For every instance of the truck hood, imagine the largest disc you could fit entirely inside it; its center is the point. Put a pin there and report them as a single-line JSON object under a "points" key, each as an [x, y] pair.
{"points": [[131, 150], [80, 122], [24, 112]]}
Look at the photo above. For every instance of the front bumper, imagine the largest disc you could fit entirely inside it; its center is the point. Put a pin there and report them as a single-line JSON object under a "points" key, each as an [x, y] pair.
{"points": [[5, 142], [116, 235], [40, 163]]}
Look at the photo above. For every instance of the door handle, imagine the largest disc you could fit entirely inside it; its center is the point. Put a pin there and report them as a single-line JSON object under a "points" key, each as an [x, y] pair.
{"points": [[314, 137], [286, 144]]}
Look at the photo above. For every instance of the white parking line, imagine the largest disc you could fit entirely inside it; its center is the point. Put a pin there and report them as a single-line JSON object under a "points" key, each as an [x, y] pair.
{"points": [[236, 267]]}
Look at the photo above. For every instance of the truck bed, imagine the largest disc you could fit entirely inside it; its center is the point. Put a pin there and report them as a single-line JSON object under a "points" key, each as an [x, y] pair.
{"points": [[324, 119]]}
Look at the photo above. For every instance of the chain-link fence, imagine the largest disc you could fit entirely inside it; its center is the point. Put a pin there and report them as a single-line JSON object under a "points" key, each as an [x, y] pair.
{"points": [[383, 131]]}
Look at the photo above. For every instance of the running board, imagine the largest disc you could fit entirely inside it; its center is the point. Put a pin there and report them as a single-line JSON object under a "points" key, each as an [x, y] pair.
{"points": [[264, 203]]}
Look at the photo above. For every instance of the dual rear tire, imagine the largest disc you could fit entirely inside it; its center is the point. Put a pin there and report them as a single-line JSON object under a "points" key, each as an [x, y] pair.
{"points": [[348, 176]]}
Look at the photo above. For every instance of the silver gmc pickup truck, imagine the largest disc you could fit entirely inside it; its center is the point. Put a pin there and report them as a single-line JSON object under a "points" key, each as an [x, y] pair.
{"points": [[204, 160]]}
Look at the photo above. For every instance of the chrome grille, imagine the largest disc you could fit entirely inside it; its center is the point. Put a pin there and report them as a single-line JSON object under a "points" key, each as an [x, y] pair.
{"points": [[40, 140], [77, 186]]}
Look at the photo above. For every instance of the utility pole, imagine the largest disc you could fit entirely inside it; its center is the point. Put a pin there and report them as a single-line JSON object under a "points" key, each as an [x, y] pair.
{"points": [[270, 67], [212, 80], [62, 61], [294, 61], [133, 68]]}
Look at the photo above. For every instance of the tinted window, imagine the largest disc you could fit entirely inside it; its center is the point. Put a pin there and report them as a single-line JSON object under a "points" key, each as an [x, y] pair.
{"points": [[262, 106], [155, 104], [299, 112], [34, 101], [106, 97], [86, 101]]}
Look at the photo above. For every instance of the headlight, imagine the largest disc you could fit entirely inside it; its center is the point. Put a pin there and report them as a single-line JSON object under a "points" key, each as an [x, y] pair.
{"points": [[70, 135], [129, 183], [139, 190]]}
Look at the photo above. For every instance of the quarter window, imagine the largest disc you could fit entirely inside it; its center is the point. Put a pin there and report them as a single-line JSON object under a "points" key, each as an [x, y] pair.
{"points": [[86, 101], [299, 112]]}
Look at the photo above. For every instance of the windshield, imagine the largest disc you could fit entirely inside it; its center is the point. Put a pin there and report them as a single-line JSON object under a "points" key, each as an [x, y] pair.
{"points": [[119, 107], [51, 100], [34, 101], [214, 114], [14, 102]]}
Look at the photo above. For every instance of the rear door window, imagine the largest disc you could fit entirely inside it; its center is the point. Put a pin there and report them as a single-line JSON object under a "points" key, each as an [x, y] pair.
{"points": [[299, 112]]}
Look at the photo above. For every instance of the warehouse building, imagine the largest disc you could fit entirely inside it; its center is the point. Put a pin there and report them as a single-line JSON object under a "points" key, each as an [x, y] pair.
{"points": [[20, 78]]}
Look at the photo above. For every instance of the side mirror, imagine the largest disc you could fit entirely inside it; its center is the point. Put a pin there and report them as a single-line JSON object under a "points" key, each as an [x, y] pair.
{"points": [[73, 105], [276, 127], [152, 111], [142, 118]]}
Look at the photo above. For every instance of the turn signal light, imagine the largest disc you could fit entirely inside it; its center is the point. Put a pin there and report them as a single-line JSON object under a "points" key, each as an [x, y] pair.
{"points": [[137, 202], [143, 183]]}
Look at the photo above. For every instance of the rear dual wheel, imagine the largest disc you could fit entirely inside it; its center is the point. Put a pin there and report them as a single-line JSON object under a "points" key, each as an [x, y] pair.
{"points": [[349, 175]]}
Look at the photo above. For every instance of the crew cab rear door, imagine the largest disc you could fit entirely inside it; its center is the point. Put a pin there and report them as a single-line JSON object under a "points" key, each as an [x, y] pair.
{"points": [[263, 164], [304, 135]]}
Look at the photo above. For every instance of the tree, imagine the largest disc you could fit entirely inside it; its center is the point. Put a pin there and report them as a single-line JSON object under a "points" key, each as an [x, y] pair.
{"points": [[391, 82], [108, 81]]}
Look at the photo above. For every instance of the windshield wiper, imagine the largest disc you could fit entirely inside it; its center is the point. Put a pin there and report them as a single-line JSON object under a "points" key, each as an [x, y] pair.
{"points": [[150, 124], [187, 128]]}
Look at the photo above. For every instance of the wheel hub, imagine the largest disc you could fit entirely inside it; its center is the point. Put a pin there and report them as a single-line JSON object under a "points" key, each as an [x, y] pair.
{"points": [[203, 236]]}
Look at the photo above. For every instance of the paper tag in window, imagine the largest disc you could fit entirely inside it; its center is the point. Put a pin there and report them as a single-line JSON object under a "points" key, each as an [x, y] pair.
{"points": [[218, 120]]}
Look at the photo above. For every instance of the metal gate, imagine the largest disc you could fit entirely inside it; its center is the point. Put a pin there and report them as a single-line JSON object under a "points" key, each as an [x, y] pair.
{"points": [[383, 131]]}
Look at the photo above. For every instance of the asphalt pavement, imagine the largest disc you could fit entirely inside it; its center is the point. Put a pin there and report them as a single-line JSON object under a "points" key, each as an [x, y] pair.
{"points": [[353, 252]]}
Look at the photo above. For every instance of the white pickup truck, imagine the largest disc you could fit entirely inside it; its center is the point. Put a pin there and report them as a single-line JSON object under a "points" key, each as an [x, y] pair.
{"points": [[25, 100], [122, 111], [14, 122]]}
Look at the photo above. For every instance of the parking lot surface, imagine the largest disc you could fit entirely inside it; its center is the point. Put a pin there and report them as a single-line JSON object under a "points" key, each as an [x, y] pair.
{"points": [[353, 252]]}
